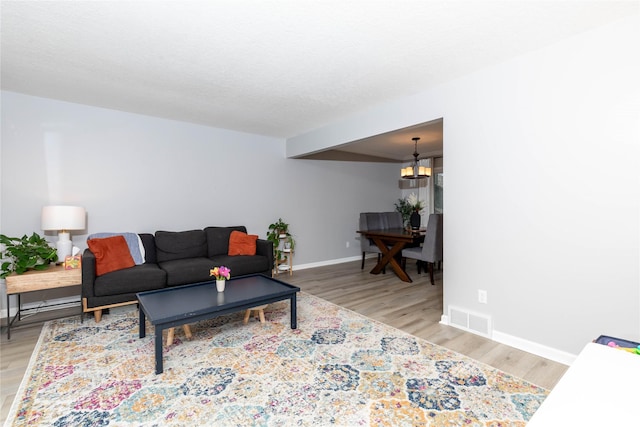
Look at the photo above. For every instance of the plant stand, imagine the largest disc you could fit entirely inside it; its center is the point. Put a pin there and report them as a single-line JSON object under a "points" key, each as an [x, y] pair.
{"points": [[285, 264], [283, 245]]}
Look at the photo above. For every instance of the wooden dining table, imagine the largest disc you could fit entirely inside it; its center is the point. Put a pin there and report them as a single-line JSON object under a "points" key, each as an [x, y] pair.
{"points": [[391, 242]]}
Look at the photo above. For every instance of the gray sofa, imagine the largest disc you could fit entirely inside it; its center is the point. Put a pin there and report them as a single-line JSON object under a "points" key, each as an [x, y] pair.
{"points": [[171, 259]]}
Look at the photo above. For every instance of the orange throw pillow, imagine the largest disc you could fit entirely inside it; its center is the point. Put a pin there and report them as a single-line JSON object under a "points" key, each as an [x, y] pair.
{"points": [[112, 253], [242, 243]]}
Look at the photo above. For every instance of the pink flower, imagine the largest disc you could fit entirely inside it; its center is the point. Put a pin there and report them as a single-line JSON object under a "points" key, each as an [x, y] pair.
{"points": [[221, 273]]}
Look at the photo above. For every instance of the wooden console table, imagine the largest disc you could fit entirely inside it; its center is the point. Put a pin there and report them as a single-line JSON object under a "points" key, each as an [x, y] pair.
{"points": [[38, 280]]}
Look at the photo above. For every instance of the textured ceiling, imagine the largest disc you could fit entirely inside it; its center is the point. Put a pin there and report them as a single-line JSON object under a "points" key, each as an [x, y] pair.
{"points": [[271, 67]]}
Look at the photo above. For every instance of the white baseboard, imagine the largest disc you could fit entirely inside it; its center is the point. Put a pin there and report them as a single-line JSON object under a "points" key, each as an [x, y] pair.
{"points": [[524, 345], [535, 348], [328, 262]]}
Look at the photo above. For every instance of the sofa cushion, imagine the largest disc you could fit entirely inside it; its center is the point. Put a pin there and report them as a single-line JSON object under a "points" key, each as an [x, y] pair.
{"points": [[112, 253], [218, 239], [242, 265], [145, 277], [188, 270], [133, 241], [242, 243], [173, 245]]}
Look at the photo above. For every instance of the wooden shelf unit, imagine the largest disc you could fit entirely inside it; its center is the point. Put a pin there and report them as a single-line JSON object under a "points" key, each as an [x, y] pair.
{"points": [[38, 280], [287, 263]]}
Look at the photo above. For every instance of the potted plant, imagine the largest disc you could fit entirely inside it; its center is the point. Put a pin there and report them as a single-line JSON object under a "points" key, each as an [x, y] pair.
{"points": [[416, 206], [405, 210], [279, 232], [222, 274], [410, 208], [26, 253]]}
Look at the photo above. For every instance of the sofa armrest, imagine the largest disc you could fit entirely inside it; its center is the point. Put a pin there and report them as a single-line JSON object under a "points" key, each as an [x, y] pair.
{"points": [[88, 273], [265, 248]]}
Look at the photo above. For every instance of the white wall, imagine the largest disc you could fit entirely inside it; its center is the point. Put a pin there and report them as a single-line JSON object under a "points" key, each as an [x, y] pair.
{"points": [[542, 188], [142, 174]]}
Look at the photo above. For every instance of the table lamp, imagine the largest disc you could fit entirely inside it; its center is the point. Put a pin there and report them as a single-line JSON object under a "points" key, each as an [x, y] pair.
{"points": [[63, 219]]}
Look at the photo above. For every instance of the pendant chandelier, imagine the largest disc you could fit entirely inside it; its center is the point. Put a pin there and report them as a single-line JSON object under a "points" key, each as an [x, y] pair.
{"points": [[415, 171]]}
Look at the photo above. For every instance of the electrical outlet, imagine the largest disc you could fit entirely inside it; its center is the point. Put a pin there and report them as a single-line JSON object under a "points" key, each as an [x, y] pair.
{"points": [[347, 243], [482, 296]]}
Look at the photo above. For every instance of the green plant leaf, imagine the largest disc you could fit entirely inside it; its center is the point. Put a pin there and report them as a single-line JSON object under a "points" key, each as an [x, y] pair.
{"points": [[27, 252]]}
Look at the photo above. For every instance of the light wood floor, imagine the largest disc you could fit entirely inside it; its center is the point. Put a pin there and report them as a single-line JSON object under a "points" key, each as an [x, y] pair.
{"points": [[416, 308], [412, 307]]}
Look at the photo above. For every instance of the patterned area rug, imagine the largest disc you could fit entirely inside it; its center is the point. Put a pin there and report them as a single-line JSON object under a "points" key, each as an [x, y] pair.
{"points": [[338, 368]]}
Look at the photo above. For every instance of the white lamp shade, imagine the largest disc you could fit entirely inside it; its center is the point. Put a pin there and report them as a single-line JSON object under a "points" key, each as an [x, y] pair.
{"points": [[63, 218]]}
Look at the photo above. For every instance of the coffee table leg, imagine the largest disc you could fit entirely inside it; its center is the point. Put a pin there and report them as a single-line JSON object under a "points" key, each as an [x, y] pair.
{"points": [[294, 312], [143, 323], [158, 350]]}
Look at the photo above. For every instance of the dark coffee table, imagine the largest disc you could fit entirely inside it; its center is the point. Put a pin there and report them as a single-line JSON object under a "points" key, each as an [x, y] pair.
{"points": [[171, 307]]}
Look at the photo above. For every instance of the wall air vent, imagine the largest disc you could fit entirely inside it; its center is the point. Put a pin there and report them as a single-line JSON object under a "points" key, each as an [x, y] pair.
{"points": [[473, 322]]}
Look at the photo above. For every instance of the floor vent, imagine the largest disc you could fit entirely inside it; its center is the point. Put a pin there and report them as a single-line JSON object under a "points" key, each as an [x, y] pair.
{"points": [[472, 322]]}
